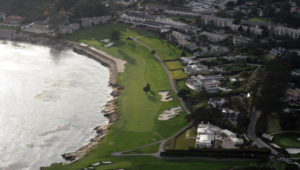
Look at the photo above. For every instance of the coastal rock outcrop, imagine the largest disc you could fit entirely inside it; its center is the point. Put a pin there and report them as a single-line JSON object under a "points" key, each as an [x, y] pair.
{"points": [[81, 152]]}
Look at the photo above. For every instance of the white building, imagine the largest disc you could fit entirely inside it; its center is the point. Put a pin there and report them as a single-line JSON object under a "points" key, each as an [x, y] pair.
{"points": [[217, 21], [87, 22], [213, 37], [210, 83], [196, 69], [207, 133]]}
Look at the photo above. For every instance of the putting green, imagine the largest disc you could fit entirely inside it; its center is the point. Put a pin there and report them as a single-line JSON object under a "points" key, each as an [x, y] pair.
{"points": [[288, 142]]}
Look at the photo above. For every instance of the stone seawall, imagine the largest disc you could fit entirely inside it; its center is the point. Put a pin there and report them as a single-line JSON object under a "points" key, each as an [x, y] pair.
{"points": [[102, 59]]}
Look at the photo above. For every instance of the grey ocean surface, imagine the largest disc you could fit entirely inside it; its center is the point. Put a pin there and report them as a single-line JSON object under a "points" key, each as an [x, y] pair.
{"points": [[50, 101]]}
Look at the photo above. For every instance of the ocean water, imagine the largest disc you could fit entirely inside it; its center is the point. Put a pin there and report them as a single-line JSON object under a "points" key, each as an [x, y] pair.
{"points": [[50, 101]]}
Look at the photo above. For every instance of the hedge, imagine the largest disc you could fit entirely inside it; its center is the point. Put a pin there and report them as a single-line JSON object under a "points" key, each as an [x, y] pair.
{"points": [[232, 153], [261, 126]]}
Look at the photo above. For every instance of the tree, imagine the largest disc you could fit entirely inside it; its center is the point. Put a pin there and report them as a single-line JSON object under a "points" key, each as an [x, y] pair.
{"points": [[152, 52], [183, 54], [147, 88], [236, 84], [291, 167], [248, 32], [244, 74], [206, 114], [240, 29], [115, 35], [240, 2], [230, 4], [183, 93]]}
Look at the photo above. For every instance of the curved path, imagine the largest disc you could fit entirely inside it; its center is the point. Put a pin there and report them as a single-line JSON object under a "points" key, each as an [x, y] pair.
{"points": [[163, 142], [168, 73]]}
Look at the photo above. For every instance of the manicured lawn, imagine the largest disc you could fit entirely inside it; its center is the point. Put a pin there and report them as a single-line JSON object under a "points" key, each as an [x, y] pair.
{"points": [[297, 15], [161, 48], [172, 65], [178, 74], [182, 85], [138, 124], [183, 143], [8, 28], [149, 149], [262, 19], [268, 56], [273, 124], [287, 140]]}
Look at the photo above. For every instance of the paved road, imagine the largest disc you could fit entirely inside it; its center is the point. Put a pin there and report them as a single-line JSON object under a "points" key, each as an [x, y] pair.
{"points": [[161, 147]]}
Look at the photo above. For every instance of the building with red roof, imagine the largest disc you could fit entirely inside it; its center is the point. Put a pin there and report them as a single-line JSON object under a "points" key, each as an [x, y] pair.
{"points": [[14, 20]]}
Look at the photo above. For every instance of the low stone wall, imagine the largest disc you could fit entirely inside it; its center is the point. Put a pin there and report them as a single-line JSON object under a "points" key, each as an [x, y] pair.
{"points": [[102, 59]]}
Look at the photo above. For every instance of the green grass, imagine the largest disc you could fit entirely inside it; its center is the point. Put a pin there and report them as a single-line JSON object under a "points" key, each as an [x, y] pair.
{"points": [[178, 74], [172, 65], [273, 124], [268, 56], [183, 143], [8, 28], [161, 48], [287, 140], [297, 15], [182, 85], [262, 19], [149, 149], [138, 124]]}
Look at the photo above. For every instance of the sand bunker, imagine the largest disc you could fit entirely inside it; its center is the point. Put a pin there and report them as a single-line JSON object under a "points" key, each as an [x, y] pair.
{"points": [[165, 96], [106, 162], [105, 40], [96, 164], [170, 113], [108, 45], [83, 44], [293, 150]]}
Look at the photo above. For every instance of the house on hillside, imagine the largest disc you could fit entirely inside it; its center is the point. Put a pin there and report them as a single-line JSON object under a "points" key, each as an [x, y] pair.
{"points": [[216, 103], [285, 31], [197, 69], [217, 21], [240, 40], [292, 95], [87, 22], [68, 29], [279, 51], [213, 37], [209, 83], [13, 20]]}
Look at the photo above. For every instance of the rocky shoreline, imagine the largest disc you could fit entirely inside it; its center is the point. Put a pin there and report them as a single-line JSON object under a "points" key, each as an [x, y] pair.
{"points": [[109, 109]]}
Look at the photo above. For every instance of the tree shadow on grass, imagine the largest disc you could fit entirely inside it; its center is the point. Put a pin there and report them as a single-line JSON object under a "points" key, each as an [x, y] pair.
{"points": [[151, 98], [127, 57], [152, 93]]}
